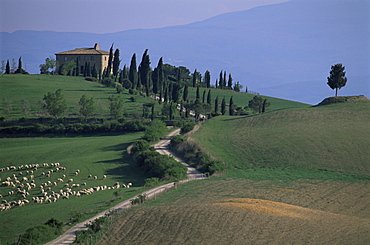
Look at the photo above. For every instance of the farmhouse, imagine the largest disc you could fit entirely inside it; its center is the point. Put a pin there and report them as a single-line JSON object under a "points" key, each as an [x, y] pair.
{"points": [[83, 57]]}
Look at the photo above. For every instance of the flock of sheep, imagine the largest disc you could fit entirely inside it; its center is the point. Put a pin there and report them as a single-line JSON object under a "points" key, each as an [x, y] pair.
{"points": [[22, 182]]}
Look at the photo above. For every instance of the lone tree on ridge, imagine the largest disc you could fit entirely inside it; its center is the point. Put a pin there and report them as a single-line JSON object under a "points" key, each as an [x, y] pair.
{"points": [[337, 78]]}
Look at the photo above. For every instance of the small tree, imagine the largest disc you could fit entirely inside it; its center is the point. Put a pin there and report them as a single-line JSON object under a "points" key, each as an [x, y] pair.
{"points": [[20, 70], [115, 106], [87, 106], [256, 104], [7, 68], [337, 78], [55, 103]]}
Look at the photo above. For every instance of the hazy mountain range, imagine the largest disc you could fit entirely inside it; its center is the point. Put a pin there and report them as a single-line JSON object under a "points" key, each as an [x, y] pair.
{"points": [[283, 50]]}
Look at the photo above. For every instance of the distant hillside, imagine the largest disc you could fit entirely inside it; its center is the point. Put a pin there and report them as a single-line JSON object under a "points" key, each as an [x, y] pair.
{"points": [[332, 137], [270, 49]]}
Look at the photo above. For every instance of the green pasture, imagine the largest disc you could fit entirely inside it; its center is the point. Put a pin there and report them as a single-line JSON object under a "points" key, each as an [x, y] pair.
{"points": [[95, 155], [330, 138], [15, 88]]}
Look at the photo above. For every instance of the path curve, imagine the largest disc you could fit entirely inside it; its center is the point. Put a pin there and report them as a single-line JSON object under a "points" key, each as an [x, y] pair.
{"points": [[162, 147]]}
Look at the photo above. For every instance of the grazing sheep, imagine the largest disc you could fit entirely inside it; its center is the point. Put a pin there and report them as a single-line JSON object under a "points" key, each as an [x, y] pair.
{"points": [[95, 177], [90, 176], [104, 176], [70, 180]]}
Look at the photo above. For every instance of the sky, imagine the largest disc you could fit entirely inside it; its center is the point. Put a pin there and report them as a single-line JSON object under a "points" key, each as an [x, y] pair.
{"points": [[107, 16]]}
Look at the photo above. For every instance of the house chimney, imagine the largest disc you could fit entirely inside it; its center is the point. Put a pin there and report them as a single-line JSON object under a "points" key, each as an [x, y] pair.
{"points": [[96, 46]]}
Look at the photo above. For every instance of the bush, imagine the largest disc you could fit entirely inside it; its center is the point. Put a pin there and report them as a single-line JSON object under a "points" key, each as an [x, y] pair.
{"points": [[149, 182], [187, 128], [140, 146], [155, 131], [176, 140], [37, 235], [109, 82]]}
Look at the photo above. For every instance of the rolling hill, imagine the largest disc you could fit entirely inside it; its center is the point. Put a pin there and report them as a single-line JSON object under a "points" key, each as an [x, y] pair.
{"points": [[269, 49]]}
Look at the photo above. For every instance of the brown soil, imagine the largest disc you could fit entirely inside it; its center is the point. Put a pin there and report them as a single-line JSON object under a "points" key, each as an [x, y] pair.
{"points": [[246, 212]]}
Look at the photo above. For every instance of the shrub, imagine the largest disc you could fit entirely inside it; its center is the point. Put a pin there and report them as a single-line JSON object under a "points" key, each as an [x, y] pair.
{"points": [[140, 146], [37, 235], [176, 140], [149, 182], [109, 82], [155, 131], [139, 200], [187, 128]]}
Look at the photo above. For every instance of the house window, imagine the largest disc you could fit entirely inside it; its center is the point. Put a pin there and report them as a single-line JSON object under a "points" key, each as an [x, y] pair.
{"points": [[105, 58], [92, 58], [65, 58]]}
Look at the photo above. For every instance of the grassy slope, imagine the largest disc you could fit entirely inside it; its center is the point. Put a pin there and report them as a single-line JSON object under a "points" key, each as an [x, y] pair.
{"points": [[33, 88], [96, 155], [242, 99], [336, 205], [332, 137]]}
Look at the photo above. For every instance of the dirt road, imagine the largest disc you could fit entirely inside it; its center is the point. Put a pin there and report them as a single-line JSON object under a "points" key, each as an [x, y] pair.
{"points": [[162, 147]]}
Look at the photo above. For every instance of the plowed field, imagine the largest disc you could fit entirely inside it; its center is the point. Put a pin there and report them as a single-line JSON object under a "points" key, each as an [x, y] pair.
{"points": [[240, 211]]}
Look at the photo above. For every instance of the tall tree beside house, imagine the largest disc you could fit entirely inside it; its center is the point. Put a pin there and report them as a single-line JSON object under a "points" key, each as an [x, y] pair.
{"points": [[133, 76], [94, 71], [230, 82], [204, 96], [223, 106], [337, 78], [110, 61], [116, 63], [7, 67], [197, 95]]}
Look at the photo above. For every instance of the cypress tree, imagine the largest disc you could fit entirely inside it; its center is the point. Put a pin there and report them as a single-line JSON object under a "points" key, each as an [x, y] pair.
{"points": [[185, 94], [116, 63], [197, 96], [176, 92], [195, 78], [231, 107], [216, 85], [152, 116], [144, 71], [209, 97], [216, 104], [94, 71], [207, 79], [230, 82], [204, 96], [223, 106], [7, 67], [221, 80], [110, 60], [224, 81], [133, 72]]}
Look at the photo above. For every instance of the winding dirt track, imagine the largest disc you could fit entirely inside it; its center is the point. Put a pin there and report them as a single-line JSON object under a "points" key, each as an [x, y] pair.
{"points": [[162, 147]]}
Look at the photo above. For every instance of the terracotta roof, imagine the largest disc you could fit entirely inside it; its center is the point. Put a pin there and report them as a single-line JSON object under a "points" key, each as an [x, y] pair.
{"points": [[89, 51]]}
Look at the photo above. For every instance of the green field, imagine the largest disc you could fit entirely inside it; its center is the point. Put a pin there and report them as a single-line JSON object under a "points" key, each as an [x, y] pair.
{"points": [[14, 88], [333, 137], [95, 155]]}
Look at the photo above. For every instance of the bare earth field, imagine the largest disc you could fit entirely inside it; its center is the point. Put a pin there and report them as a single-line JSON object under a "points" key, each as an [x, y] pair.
{"points": [[240, 211]]}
